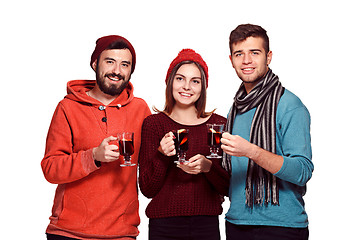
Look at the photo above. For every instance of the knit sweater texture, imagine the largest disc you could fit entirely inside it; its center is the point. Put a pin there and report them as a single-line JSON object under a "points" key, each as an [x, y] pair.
{"points": [[92, 202], [173, 191]]}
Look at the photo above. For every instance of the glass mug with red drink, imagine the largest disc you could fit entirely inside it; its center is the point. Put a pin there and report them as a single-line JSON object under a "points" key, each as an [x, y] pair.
{"points": [[181, 139], [214, 135], [126, 147]]}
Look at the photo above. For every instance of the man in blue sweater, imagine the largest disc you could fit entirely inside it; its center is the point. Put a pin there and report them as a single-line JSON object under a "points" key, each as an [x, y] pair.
{"points": [[267, 147]]}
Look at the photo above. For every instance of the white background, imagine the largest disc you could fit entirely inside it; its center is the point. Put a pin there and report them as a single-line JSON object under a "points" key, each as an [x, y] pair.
{"points": [[44, 44]]}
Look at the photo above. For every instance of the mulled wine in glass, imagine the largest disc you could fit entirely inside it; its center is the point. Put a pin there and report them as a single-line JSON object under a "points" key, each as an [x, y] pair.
{"points": [[181, 144], [214, 135], [126, 147]]}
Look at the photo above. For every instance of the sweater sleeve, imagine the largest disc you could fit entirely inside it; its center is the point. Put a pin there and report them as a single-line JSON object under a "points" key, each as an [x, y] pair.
{"points": [[296, 147], [60, 164], [153, 165]]}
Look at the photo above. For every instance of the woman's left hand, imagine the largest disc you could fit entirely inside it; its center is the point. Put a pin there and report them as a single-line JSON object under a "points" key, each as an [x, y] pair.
{"points": [[197, 164]]}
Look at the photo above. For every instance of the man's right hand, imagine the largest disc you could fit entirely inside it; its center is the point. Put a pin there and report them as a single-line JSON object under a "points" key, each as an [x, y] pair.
{"points": [[106, 152]]}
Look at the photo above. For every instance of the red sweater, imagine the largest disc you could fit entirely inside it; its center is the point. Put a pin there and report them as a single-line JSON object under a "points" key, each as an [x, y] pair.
{"points": [[174, 192], [92, 202]]}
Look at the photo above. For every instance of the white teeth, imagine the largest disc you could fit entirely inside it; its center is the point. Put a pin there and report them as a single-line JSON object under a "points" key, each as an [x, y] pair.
{"points": [[248, 69], [185, 94], [114, 79]]}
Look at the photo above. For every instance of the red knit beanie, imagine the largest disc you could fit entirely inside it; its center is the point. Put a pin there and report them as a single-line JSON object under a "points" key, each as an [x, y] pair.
{"points": [[188, 55], [104, 42]]}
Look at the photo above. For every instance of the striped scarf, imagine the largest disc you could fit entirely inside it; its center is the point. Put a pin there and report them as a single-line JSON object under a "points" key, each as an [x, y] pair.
{"points": [[265, 97]]}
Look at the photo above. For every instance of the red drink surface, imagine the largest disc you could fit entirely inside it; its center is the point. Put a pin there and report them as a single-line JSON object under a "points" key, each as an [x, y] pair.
{"points": [[126, 147], [214, 139], [181, 140]]}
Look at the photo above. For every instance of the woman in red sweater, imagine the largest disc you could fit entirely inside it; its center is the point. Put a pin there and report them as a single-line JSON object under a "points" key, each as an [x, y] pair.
{"points": [[186, 198]]}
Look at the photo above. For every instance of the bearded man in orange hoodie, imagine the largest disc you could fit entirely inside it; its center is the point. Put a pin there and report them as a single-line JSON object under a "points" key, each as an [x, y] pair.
{"points": [[96, 198]]}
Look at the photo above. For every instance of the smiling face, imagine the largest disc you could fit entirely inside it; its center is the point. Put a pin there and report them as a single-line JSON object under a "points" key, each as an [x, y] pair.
{"points": [[186, 88], [113, 70], [250, 61]]}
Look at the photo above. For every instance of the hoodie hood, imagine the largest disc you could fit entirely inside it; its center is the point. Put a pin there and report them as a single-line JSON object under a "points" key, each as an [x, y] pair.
{"points": [[77, 89]]}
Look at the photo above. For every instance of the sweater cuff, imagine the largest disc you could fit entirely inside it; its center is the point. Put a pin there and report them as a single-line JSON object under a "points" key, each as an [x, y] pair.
{"points": [[88, 161], [165, 161]]}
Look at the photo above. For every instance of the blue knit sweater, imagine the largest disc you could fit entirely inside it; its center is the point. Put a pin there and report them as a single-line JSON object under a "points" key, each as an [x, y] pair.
{"points": [[293, 143]]}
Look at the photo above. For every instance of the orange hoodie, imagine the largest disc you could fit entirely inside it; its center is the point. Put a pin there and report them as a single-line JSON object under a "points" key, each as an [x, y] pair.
{"points": [[90, 201]]}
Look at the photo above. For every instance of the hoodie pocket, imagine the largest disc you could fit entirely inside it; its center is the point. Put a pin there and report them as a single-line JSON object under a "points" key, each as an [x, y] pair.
{"points": [[73, 215], [131, 215]]}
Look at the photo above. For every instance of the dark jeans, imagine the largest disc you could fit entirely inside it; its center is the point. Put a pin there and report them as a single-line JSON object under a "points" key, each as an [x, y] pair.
{"points": [[185, 228], [58, 237], [244, 232]]}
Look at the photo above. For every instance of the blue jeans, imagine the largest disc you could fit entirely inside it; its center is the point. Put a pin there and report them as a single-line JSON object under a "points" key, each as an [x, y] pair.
{"points": [[249, 232], [185, 228]]}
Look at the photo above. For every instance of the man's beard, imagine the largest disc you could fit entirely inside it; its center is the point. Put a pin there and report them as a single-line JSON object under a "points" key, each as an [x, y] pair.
{"points": [[112, 89]]}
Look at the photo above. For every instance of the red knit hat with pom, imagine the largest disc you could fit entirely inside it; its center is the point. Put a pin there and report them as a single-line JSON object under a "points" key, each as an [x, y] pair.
{"points": [[104, 42], [188, 55]]}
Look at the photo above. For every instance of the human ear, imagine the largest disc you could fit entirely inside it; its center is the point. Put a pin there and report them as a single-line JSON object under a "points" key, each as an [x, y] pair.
{"points": [[93, 65], [230, 57], [269, 57]]}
